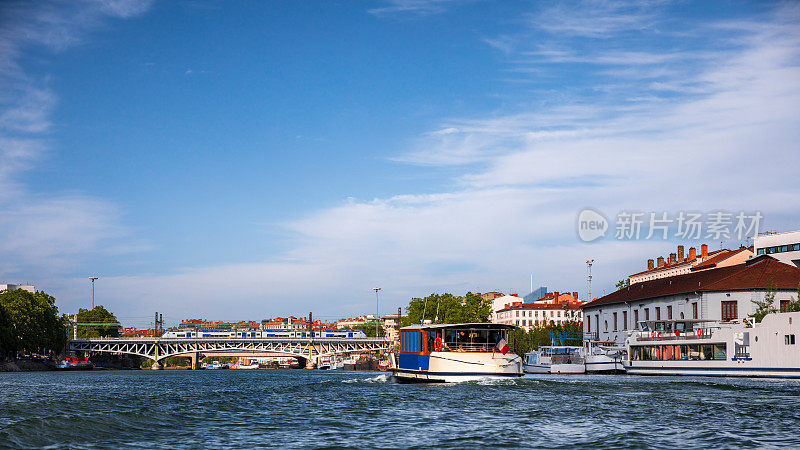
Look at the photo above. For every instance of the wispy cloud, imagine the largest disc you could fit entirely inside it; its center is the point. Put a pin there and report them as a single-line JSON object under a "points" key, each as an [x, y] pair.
{"points": [[43, 230], [596, 18], [413, 7]]}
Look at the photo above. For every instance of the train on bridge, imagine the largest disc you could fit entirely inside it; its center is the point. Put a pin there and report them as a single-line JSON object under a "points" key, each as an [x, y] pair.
{"points": [[253, 334]]}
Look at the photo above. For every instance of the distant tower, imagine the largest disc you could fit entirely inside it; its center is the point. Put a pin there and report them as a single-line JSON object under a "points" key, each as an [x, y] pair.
{"points": [[589, 263]]}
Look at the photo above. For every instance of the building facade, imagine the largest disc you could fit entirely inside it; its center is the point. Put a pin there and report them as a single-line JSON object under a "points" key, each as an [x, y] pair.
{"points": [[785, 247], [25, 287], [722, 294], [679, 263], [554, 308]]}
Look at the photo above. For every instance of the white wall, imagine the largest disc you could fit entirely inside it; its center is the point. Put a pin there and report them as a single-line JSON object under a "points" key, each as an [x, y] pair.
{"points": [[709, 306]]}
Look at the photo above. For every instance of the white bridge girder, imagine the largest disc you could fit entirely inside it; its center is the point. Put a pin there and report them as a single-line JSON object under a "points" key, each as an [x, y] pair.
{"points": [[158, 349]]}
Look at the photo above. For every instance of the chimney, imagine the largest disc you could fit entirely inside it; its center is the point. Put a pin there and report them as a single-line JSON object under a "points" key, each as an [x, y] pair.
{"points": [[704, 250], [692, 253], [575, 295], [660, 261], [556, 294], [650, 264], [680, 253], [672, 258]]}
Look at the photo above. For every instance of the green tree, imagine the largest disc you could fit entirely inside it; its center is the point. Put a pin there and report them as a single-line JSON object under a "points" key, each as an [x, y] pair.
{"points": [[447, 308], [97, 315], [9, 342], [31, 322], [523, 341], [622, 284], [765, 306], [794, 303]]}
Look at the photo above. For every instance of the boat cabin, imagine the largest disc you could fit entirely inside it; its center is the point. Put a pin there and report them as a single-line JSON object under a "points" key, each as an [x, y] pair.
{"points": [[417, 342]]}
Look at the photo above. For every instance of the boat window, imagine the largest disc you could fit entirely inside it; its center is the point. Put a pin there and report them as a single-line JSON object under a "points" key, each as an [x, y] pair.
{"points": [[719, 351], [788, 339], [707, 352], [430, 341]]}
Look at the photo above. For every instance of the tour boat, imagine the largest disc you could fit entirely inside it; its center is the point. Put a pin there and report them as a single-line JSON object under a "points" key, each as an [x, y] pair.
{"points": [[455, 352], [560, 359], [697, 347]]}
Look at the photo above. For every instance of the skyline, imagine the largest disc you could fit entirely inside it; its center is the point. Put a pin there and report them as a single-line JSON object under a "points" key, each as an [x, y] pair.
{"points": [[239, 161]]}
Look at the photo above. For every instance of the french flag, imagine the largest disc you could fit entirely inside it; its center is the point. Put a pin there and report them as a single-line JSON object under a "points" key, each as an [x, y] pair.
{"points": [[502, 346]]}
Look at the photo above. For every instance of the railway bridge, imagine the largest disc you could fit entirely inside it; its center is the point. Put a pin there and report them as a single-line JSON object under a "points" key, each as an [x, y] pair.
{"points": [[304, 349]]}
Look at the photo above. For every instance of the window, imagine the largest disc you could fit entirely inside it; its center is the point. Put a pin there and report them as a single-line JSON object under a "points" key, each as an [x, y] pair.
{"points": [[647, 314], [694, 310], [785, 248], [606, 323], [588, 326], [658, 313], [728, 311], [784, 305], [624, 320], [788, 339], [636, 318], [669, 312], [795, 247], [761, 251], [615, 321]]}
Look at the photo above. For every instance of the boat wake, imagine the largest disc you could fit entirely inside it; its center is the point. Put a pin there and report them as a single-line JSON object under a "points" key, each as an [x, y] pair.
{"points": [[382, 378]]}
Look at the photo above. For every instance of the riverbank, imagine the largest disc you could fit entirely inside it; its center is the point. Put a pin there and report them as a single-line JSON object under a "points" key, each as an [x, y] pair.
{"points": [[27, 365]]}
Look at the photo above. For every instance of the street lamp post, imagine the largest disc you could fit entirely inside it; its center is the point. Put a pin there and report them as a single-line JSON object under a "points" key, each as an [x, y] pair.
{"points": [[93, 278], [376, 310]]}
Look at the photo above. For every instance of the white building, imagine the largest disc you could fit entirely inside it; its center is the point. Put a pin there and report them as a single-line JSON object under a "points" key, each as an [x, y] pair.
{"points": [[785, 247], [554, 308], [499, 303], [679, 263], [25, 287], [722, 294]]}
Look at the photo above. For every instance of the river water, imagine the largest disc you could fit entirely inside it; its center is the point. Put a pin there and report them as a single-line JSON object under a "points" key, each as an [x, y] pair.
{"points": [[304, 408]]}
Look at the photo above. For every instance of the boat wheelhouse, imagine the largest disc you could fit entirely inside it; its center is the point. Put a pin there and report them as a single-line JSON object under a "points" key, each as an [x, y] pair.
{"points": [[697, 347], [454, 353]]}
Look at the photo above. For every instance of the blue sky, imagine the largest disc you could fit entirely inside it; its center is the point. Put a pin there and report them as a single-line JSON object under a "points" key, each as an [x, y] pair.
{"points": [[247, 159]]}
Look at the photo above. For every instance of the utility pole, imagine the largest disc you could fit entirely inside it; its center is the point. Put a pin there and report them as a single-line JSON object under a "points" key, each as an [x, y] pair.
{"points": [[377, 316], [93, 278], [589, 263]]}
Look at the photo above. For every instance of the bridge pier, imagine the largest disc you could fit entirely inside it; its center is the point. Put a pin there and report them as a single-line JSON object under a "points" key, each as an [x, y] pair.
{"points": [[195, 358]]}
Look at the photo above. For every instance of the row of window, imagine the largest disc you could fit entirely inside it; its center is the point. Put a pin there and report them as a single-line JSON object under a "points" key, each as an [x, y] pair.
{"points": [[657, 310], [690, 352], [779, 249], [535, 323], [544, 314]]}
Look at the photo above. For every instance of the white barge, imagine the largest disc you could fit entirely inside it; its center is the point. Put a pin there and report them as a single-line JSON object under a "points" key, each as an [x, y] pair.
{"points": [[695, 347], [448, 353]]}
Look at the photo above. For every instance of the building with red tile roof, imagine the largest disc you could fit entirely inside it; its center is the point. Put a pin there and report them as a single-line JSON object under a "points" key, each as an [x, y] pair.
{"points": [[723, 294], [679, 263], [554, 308]]}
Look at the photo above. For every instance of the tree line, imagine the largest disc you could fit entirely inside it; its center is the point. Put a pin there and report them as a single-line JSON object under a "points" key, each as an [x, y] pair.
{"points": [[29, 323]]}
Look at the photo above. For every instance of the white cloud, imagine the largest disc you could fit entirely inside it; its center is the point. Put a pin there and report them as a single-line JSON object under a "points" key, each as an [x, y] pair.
{"points": [[39, 233], [415, 7]]}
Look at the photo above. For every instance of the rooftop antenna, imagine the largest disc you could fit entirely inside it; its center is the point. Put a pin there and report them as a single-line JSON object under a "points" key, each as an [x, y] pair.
{"points": [[589, 263]]}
